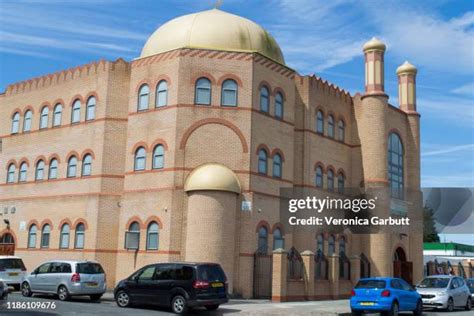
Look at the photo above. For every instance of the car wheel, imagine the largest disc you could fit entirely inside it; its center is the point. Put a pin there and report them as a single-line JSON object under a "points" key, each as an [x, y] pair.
{"points": [[212, 307], [419, 309], [26, 290], [394, 310], [450, 306], [356, 313], [95, 297], [468, 304], [179, 305], [63, 293], [123, 299]]}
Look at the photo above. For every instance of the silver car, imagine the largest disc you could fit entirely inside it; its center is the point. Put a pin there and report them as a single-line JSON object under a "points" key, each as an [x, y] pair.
{"points": [[470, 285], [12, 271], [3, 292], [66, 279], [444, 291]]}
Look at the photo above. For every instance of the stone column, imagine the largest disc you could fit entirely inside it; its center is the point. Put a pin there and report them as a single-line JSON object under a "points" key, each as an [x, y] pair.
{"points": [[355, 268], [279, 275], [308, 261]]}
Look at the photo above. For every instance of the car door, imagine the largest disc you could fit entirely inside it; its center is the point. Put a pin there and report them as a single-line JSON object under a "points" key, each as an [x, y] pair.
{"points": [[53, 277], [400, 293], [143, 286], [462, 293], [39, 279], [165, 282], [410, 294]]}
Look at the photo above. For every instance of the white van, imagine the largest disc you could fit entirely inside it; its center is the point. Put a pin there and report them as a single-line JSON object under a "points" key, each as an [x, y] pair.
{"points": [[12, 271]]}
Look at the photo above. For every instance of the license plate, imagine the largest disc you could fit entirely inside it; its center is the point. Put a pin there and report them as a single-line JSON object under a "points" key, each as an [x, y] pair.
{"points": [[92, 284], [13, 273], [219, 284], [367, 303]]}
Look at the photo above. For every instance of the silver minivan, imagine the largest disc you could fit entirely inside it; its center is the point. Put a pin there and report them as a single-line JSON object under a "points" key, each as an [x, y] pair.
{"points": [[12, 271], [66, 278]]}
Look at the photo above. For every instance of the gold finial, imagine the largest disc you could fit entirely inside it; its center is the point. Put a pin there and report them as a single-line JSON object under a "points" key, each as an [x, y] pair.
{"points": [[218, 4]]}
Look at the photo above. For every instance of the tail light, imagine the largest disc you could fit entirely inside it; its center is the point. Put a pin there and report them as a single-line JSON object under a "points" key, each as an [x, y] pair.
{"points": [[76, 277], [385, 293], [353, 293], [200, 284]]}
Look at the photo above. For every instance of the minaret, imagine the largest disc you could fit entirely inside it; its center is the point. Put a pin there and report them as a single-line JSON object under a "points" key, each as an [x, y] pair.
{"points": [[407, 87], [373, 139], [374, 66]]}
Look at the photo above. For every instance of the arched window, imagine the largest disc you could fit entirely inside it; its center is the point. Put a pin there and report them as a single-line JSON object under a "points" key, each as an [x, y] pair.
{"points": [[320, 122], [395, 165], [364, 266], [32, 236], [158, 157], [152, 236], [15, 123], [277, 166], [341, 127], [331, 126], [342, 245], [161, 94], [344, 267], [140, 159], [90, 109], [22, 175], [264, 99], [262, 240], [340, 183], [72, 167], [229, 93], [330, 180], [279, 105], [203, 91], [320, 243], [79, 236], [27, 121], [331, 245], [39, 174], [262, 161], [53, 169], [76, 112], [45, 233], [11, 173], [321, 266], [278, 241], [319, 177], [132, 236], [64, 237], [87, 165], [143, 97], [44, 117], [57, 115]]}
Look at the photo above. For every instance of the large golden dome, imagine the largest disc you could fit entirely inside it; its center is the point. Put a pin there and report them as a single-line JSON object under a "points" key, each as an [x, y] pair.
{"points": [[213, 29]]}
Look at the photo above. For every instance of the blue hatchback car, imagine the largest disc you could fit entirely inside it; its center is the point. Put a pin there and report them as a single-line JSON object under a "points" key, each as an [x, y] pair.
{"points": [[385, 295]]}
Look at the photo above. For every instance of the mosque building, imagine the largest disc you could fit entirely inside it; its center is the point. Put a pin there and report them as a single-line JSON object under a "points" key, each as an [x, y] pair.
{"points": [[181, 155]]}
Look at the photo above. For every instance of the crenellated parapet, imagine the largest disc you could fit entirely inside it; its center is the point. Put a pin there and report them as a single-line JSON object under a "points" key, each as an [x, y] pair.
{"points": [[330, 89], [67, 75]]}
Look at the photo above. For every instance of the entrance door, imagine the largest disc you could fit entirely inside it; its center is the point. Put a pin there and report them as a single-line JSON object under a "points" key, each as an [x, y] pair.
{"points": [[7, 245], [262, 275], [401, 267]]}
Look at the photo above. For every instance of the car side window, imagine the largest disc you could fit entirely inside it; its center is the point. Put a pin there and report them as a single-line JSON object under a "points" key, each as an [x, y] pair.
{"points": [[184, 273], [147, 274], [164, 272], [461, 282], [405, 285], [396, 284], [454, 284], [66, 268], [44, 268], [55, 267]]}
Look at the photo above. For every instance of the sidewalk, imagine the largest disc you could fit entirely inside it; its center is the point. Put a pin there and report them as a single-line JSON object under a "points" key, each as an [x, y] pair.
{"points": [[265, 307]]}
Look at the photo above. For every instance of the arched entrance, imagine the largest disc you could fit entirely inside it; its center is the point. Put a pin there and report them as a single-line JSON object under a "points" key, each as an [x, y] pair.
{"points": [[7, 244], [401, 267]]}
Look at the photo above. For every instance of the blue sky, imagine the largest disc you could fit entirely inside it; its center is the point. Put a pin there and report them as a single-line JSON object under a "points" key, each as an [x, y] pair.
{"points": [[321, 37]]}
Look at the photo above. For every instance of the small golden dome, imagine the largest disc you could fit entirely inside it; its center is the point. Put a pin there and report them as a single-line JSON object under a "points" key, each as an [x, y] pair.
{"points": [[214, 177], [374, 44], [406, 68], [213, 29]]}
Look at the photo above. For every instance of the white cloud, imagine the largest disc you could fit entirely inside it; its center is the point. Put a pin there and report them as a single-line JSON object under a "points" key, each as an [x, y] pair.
{"points": [[467, 89], [459, 111], [449, 149]]}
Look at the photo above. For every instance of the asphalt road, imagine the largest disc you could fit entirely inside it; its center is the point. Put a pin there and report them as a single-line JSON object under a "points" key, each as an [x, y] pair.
{"points": [[83, 306]]}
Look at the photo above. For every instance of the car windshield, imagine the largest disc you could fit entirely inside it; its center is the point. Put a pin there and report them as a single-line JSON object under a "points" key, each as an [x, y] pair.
{"points": [[470, 284], [370, 284], [89, 268], [438, 283], [11, 264], [211, 272]]}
